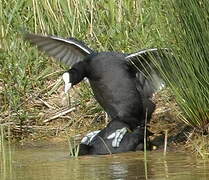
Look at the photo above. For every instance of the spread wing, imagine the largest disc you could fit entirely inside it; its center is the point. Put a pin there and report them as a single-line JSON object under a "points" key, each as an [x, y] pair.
{"points": [[146, 61], [69, 51]]}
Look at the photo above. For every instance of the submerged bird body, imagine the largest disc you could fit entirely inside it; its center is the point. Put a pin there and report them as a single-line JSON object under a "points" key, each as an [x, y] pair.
{"points": [[100, 144]]}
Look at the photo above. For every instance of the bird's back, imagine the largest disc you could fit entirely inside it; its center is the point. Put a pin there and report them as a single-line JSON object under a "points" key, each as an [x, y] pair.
{"points": [[114, 85]]}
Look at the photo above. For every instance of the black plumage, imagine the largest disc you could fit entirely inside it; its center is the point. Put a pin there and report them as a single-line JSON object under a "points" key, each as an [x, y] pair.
{"points": [[101, 145], [122, 83], [131, 141]]}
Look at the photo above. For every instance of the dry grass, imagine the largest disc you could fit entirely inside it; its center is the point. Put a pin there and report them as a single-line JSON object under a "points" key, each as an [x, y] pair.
{"points": [[57, 114]]}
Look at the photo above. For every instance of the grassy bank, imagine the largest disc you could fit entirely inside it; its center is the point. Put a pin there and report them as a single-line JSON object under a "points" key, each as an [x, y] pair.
{"points": [[31, 91], [188, 77]]}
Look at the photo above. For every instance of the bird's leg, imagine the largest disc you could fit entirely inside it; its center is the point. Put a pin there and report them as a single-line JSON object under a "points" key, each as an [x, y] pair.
{"points": [[88, 138], [117, 136]]}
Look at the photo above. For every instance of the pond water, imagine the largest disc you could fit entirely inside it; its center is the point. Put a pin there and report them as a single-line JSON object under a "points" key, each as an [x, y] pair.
{"points": [[54, 163]]}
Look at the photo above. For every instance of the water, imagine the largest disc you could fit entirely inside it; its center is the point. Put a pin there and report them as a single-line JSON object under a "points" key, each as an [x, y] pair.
{"points": [[54, 163]]}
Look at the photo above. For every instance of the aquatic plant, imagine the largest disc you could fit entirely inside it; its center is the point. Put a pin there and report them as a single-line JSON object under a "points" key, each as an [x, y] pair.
{"points": [[73, 146], [5, 155], [187, 72]]}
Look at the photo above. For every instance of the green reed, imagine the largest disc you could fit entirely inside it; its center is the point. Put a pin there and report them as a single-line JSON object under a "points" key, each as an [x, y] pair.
{"points": [[5, 154], [187, 72]]}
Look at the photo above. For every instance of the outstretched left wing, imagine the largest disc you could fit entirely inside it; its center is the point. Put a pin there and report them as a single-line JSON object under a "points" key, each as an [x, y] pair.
{"points": [[69, 51]]}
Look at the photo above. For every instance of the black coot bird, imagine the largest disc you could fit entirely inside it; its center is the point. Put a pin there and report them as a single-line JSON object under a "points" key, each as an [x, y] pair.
{"points": [[99, 143], [122, 83]]}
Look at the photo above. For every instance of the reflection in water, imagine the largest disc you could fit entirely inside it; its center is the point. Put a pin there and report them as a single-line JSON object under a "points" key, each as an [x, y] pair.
{"points": [[53, 163], [118, 170]]}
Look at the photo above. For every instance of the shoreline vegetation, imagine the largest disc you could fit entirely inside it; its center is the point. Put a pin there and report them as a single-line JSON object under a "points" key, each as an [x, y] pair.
{"points": [[32, 102]]}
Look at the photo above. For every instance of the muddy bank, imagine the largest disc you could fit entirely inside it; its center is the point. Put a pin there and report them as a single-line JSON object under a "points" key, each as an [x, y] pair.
{"points": [[85, 115]]}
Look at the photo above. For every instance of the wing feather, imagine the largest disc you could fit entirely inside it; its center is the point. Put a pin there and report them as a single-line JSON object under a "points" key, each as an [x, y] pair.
{"points": [[69, 51], [149, 79]]}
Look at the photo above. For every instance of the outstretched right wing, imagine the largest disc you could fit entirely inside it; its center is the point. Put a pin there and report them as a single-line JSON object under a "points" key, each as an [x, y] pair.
{"points": [[69, 51], [145, 61]]}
